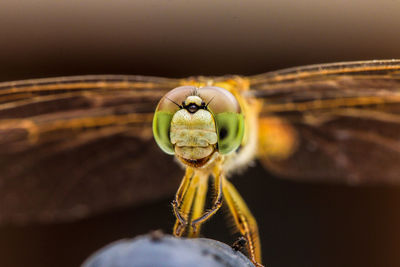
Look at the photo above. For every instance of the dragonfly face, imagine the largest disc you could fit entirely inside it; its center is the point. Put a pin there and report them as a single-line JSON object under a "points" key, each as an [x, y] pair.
{"points": [[76, 146], [208, 120]]}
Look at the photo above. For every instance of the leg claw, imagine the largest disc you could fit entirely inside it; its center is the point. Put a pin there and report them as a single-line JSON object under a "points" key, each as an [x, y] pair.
{"points": [[194, 227]]}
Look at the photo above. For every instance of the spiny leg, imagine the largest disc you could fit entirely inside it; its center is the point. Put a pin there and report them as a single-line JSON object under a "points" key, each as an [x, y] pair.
{"points": [[182, 213], [218, 177], [183, 186], [244, 220], [183, 202], [199, 201], [177, 202]]}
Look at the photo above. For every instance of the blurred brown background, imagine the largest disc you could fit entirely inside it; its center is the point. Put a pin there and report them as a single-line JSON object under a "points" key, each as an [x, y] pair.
{"points": [[300, 224]]}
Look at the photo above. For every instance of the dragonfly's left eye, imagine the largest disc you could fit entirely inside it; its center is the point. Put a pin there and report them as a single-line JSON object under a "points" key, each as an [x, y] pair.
{"points": [[228, 117]]}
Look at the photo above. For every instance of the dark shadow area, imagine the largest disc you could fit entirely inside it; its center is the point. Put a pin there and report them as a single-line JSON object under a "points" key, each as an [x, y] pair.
{"points": [[300, 225]]}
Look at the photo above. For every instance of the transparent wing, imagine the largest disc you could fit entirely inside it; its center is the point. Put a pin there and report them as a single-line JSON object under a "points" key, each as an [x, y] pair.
{"points": [[345, 118], [74, 146]]}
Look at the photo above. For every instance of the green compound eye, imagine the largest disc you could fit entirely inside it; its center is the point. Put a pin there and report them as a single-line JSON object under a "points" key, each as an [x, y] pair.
{"points": [[165, 110], [161, 127], [230, 131], [228, 117]]}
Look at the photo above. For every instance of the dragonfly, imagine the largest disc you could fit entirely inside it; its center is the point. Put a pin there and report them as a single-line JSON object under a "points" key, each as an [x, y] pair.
{"points": [[71, 147]]}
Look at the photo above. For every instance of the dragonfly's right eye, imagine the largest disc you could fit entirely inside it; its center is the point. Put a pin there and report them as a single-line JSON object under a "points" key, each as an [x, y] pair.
{"points": [[161, 127], [165, 110]]}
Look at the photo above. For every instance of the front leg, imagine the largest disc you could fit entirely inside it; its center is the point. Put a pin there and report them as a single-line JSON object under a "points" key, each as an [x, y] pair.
{"points": [[183, 201], [215, 207], [198, 203]]}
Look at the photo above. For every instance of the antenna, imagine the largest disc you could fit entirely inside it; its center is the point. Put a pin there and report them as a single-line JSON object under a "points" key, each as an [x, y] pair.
{"points": [[174, 102]]}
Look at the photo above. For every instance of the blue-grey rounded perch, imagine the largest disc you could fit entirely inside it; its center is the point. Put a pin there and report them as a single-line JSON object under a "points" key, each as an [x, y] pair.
{"points": [[157, 250]]}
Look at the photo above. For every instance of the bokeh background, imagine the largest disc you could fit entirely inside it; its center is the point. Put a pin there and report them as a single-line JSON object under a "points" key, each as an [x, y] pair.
{"points": [[301, 224]]}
